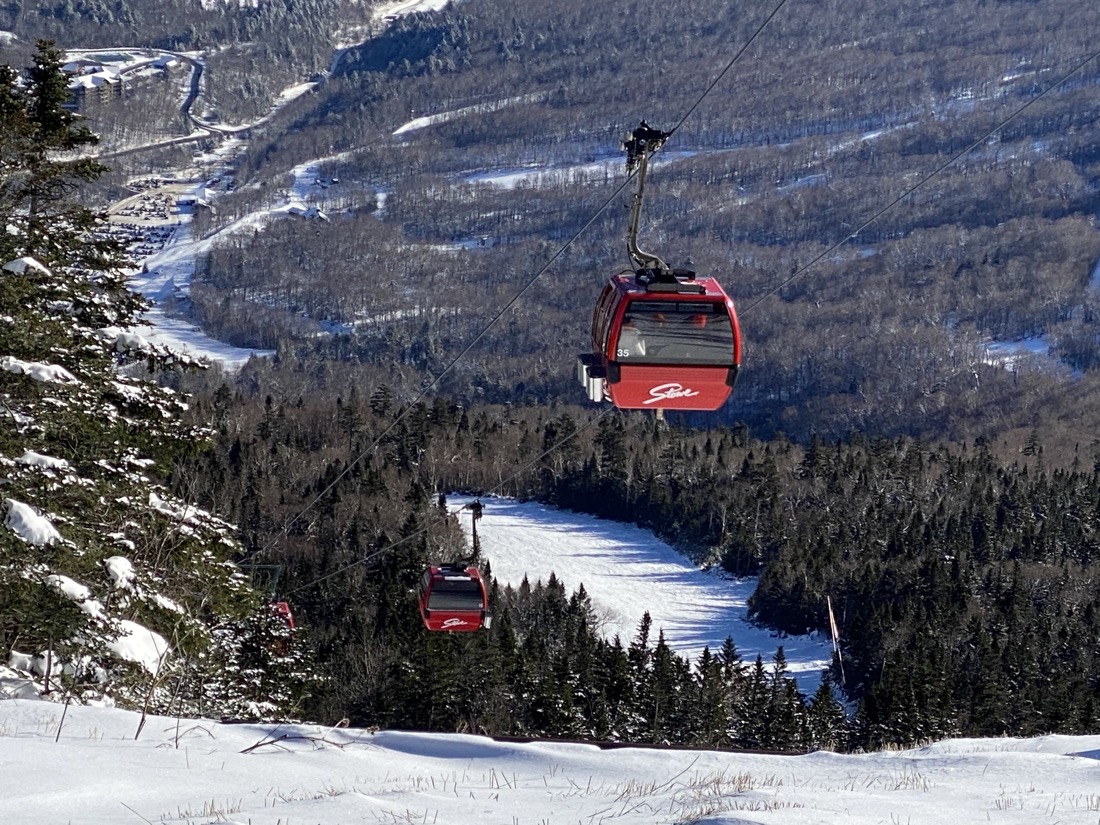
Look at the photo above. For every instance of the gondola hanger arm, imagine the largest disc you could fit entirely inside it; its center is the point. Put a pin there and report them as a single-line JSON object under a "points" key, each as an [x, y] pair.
{"points": [[639, 145]]}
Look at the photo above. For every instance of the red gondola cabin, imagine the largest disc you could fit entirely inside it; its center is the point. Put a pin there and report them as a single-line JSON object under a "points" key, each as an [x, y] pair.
{"points": [[282, 610], [662, 339], [672, 343], [453, 598]]}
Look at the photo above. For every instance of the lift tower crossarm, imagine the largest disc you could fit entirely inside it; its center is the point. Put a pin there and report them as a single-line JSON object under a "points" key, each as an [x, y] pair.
{"points": [[639, 145]]}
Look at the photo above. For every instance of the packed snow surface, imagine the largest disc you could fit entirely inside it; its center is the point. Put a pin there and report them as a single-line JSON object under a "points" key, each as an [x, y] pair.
{"points": [[628, 571], [102, 766]]}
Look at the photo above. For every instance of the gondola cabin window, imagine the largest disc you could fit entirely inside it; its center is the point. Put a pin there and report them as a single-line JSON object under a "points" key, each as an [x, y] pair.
{"points": [[455, 595], [676, 332]]}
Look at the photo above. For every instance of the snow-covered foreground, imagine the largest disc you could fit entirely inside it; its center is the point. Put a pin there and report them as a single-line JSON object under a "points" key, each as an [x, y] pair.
{"points": [[96, 768], [627, 571]]}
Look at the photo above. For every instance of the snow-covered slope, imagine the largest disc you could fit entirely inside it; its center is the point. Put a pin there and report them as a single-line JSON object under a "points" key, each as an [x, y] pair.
{"points": [[628, 571], [97, 766]]}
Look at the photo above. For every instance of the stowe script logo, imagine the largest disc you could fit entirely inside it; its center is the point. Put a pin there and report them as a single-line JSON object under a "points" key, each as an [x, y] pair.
{"points": [[666, 392], [455, 622]]}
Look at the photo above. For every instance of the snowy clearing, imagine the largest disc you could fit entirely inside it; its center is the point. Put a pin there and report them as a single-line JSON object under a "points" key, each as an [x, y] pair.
{"points": [[627, 571]]}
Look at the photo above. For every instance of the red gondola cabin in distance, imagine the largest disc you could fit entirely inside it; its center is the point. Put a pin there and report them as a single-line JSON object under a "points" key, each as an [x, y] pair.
{"points": [[453, 598], [662, 339], [667, 344], [282, 610]]}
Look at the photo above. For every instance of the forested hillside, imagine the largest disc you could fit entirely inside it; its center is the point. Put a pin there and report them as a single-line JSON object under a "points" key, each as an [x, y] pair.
{"points": [[829, 116], [962, 593], [253, 51], [965, 589]]}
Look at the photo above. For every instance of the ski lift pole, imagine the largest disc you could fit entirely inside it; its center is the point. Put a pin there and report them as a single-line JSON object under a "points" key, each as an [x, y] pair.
{"points": [[642, 143], [475, 512], [834, 632]]}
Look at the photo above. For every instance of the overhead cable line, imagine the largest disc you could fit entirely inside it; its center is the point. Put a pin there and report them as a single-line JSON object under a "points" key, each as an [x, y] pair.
{"points": [[515, 298], [934, 173], [561, 250], [465, 351], [718, 78], [496, 490]]}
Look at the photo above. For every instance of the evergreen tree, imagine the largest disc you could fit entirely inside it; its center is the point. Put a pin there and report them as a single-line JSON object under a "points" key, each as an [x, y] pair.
{"points": [[39, 175], [753, 730], [110, 580], [714, 713], [783, 713], [825, 719]]}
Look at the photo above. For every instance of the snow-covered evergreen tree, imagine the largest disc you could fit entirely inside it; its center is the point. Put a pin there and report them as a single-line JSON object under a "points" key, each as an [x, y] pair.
{"points": [[110, 586]]}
